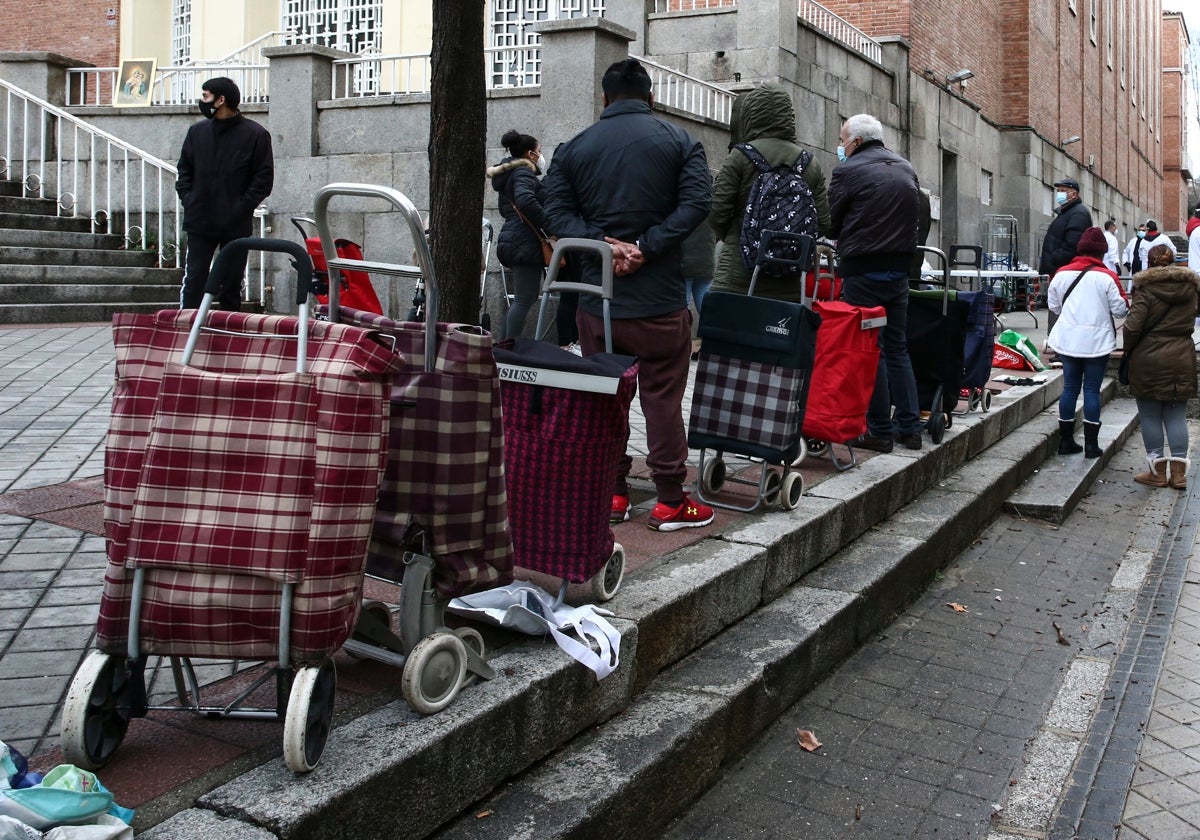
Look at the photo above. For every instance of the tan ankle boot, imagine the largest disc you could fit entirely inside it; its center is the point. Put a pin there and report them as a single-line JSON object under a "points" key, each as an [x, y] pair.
{"points": [[1157, 474], [1178, 479]]}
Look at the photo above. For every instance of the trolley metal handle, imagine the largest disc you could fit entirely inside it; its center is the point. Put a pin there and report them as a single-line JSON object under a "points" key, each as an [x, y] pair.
{"points": [[416, 227], [605, 290], [941, 255], [236, 251], [806, 247]]}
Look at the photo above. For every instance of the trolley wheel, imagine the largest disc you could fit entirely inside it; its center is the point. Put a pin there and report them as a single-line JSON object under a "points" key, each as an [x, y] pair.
{"points": [[791, 491], [713, 478], [973, 400], [309, 716], [771, 489], [372, 613], [607, 581], [816, 448], [433, 672], [937, 426], [985, 400], [949, 418], [96, 713], [472, 639]]}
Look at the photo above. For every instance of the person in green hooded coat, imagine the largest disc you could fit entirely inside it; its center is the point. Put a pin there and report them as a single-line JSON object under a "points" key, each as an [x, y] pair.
{"points": [[764, 118]]}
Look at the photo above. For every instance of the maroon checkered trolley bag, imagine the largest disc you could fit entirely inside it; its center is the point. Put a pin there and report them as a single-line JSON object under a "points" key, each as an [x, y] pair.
{"points": [[566, 423]]}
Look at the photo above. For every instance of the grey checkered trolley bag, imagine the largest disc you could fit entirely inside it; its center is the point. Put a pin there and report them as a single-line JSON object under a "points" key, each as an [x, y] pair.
{"points": [[755, 362]]}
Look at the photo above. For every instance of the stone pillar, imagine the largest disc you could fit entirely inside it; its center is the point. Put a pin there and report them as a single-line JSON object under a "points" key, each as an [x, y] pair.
{"points": [[300, 76], [44, 74], [575, 54]]}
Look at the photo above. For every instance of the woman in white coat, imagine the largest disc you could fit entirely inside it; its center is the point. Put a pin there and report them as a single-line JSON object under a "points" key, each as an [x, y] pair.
{"points": [[1086, 296]]}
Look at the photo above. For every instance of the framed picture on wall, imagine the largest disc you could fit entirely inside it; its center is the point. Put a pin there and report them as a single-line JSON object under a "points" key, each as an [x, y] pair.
{"points": [[135, 80]]}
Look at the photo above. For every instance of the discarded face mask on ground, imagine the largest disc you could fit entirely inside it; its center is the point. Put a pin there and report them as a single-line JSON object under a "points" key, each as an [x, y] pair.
{"points": [[582, 632]]}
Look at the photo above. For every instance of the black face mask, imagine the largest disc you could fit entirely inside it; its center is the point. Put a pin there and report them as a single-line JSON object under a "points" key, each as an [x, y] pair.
{"points": [[207, 109]]}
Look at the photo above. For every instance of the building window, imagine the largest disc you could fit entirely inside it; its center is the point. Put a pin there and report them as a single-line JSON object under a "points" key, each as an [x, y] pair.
{"points": [[181, 32], [985, 187], [515, 60], [1121, 47], [355, 26], [1071, 7], [1108, 31]]}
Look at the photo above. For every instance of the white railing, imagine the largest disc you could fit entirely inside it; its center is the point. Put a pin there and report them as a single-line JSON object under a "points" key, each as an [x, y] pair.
{"points": [[90, 174], [687, 93], [661, 6], [172, 85], [389, 75], [840, 29], [251, 53]]}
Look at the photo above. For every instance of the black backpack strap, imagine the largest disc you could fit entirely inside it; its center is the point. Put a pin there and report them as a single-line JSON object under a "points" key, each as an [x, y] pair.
{"points": [[760, 162]]}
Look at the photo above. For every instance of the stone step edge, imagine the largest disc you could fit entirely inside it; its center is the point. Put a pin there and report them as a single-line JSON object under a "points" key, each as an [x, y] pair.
{"points": [[636, 771], [721, 580], [1054, 491]]}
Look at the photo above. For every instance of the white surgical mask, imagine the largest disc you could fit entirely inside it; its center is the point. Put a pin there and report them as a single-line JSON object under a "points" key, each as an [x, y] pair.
{"points": [[841, 153], [541, 162], [1141, 234], [1060, 197]]}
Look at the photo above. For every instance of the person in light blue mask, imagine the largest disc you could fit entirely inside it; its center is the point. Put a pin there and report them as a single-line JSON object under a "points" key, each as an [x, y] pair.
{"points": [[1062, 237]]}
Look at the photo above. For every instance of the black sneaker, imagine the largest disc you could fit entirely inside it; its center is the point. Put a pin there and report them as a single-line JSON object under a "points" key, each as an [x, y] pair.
{"points": [[875, 444], [912, 441]]}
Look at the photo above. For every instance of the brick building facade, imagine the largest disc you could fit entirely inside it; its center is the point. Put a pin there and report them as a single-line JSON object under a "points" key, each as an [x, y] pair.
{"points": [[1059, 68], [1175, 44], [85, 30]]}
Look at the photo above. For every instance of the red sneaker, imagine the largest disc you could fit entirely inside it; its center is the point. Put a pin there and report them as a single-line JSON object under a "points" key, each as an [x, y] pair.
{"points": [[688, 514], [620, 509]]}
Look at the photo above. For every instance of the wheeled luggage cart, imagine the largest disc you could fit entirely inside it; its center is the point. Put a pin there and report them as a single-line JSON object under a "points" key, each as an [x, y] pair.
{"points": [[441, 522], [752, 382], [977, 349], [242, 461], [936, 332], [566, 425]]}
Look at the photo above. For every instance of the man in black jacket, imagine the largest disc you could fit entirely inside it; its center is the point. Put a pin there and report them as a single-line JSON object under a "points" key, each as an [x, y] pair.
{"points": [[1062, 237], [226, 169], [874, 205], [641, 184]]}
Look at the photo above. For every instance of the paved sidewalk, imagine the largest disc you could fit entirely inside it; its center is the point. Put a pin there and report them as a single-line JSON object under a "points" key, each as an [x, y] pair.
{"points": [[966, 724]]}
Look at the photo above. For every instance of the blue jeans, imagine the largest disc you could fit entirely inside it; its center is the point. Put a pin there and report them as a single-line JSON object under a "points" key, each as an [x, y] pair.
{"points": [[697, 288], [894, 381], [1089, 373]]}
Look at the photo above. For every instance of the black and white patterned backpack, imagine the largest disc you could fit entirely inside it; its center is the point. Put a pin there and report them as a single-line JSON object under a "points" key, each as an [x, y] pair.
{"points": [[779, 200]]}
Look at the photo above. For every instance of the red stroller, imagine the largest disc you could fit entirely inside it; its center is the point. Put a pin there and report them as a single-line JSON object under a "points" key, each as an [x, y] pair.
{"points": [[355, 290], [242, 461]]}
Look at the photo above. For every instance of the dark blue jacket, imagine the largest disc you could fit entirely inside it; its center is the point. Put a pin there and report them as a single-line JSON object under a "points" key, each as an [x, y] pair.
{"points": [[516, 182], [226, 169], [1062, 237], [631, 176], [874, 209]]}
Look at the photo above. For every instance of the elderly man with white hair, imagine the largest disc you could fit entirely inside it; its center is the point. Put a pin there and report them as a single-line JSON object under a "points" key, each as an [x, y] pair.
{"points": [[873, 206]]}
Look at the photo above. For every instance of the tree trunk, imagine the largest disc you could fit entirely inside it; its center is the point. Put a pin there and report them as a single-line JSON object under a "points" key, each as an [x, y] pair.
{"points": [[457, 125]]}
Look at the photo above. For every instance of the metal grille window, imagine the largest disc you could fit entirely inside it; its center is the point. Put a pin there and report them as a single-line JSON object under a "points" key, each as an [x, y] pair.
{"points": [[181, 32], [355, 26], [514, 59]]}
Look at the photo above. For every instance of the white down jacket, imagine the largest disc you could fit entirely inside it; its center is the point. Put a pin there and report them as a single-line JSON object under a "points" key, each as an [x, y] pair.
{"points": [[1085, 318]]}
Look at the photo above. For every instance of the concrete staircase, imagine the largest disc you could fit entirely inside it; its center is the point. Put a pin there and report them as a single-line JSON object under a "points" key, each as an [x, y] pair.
{"points": [[53, 270]]}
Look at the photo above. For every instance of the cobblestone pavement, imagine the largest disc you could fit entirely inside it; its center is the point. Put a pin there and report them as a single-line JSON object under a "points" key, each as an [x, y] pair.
{"points": [[966, 721]]}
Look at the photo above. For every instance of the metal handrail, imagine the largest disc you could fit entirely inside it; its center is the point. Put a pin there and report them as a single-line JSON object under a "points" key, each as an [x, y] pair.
{"points": [[840, 29], [172, 85], [687, 93], [90, 173]]}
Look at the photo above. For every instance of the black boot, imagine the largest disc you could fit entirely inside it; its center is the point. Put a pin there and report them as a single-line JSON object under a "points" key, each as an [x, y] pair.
{"points": [[1091, 433], [1066, 438]]}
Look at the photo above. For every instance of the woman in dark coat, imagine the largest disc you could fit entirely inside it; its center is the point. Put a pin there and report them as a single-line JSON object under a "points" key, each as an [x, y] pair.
{"points": [[516, 179], [1162, 364]]}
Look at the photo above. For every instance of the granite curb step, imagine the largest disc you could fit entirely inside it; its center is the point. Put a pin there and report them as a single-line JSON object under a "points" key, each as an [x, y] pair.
{"points": [[717, 640]]}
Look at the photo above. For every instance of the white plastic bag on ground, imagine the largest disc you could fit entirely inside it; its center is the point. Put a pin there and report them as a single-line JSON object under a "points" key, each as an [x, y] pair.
{"points": [[530, 609]]}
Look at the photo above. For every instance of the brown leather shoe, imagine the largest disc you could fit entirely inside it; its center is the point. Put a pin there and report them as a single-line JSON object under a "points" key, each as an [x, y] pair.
{"points": [[912, 441], [875, 444]]}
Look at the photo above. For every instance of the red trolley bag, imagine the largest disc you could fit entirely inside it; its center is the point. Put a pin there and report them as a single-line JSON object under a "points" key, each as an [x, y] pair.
{"points": [[566, 426], [843, 376], [240, 483], [356, 291]]}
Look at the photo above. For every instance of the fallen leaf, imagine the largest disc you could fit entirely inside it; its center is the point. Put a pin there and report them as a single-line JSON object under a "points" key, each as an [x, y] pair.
{"points": [[807, 740], [1062, 639], [958, 608], [483, 814], [858, 811]]}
